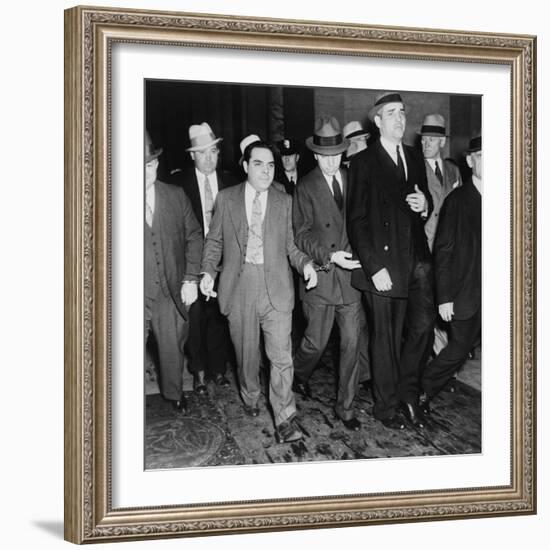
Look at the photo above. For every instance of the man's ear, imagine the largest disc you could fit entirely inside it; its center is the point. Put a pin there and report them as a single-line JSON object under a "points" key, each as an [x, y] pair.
{"points": [[377, 120], [245, 166], [469, 160]]}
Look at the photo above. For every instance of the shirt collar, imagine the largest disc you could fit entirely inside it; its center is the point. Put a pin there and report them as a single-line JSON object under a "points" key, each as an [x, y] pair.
{"points": [[478, 183]]}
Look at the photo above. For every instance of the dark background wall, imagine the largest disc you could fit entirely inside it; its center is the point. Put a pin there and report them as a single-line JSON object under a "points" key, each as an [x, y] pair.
{"points": [[273, 112]]}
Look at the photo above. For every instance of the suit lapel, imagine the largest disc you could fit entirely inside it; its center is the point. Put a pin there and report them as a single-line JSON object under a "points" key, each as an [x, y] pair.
{"points": [[325, 195], [390, 180], [237, 213]]}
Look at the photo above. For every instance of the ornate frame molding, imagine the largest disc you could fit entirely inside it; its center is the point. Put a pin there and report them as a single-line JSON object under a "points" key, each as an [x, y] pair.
{"points": [[89, 34]]}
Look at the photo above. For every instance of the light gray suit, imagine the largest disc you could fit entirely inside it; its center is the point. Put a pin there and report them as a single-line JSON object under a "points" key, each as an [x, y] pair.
{"points": [[255, 296]]}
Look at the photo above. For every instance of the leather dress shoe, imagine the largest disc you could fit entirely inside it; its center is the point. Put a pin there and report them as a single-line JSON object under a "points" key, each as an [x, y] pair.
{"points": [[288, 431], [352, 424], [251, 411], [221, 380], [180, 404], [302, 387], [413, 415], [199, 383], [424, 404], [394, 422]]}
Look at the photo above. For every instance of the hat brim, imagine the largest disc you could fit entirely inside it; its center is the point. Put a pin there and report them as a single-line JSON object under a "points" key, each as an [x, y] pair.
{"points": [[357, 135], [328, 150], [432, 134], [373, 111], [201, 147]]}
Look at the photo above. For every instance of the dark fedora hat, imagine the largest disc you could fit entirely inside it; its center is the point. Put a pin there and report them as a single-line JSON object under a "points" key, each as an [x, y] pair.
{"points": [[327, 139], [475, 145], [150, 151], [383, 99], [433, 125]]}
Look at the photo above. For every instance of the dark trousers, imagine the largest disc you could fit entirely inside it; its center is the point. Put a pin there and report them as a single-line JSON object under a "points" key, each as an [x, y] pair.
{"points": [[209, 343], [163, 319], [401, 330], [320, 318], [462, 338]]}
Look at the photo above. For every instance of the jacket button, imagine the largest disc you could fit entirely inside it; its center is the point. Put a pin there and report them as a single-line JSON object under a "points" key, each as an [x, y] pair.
{"points": [[386, 248], [327, 225], [386, 224], [332, 245]]}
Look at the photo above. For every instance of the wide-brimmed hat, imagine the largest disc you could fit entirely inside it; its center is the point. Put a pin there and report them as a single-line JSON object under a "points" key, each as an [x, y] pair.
{"points": [[245, 142], [475, 145], [383, 99], [287, 147], [150, 151], [354, 129], [201, 136], [433, 125], [327, 138]]}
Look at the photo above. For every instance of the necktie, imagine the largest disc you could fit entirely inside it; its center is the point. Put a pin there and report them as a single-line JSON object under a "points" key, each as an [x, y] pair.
{"points": [[208, 203], [438, 173], [254, 246], [148, 213], [337, 193], [401, 166]]}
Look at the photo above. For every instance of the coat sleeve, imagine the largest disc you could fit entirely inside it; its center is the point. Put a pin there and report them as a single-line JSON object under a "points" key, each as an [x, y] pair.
{"points": [[296, 257], [193, 240], [213, 244], [443, 251], [360, 231], [302, 216]]}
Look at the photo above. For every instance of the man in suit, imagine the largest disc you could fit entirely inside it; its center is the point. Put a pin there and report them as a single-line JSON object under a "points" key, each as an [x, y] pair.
{"points": [[457, 260], [209, 345], [443, 176], [173, 248], [319, 219], [287, 173], [389, 204], [251, 237]]}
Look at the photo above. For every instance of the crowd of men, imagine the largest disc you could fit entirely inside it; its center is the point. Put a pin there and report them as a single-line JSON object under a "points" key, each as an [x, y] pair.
{"points": [[382, 241]]}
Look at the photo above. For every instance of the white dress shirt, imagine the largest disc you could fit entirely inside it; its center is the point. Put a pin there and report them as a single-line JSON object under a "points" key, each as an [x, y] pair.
{"points": [[249, 194], [390, 147], [213, 180], [338, 177]]}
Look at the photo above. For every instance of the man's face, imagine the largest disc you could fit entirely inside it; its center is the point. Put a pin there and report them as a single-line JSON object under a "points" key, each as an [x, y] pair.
{"points": [[206, 160], [290, 162], [329, 164], [475, 162], [151, 172], [260, 169], [391, 121], [356, 145], [432, 146]]}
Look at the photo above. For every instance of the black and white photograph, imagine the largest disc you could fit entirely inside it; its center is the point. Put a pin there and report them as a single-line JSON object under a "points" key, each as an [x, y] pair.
{"points": [[312, 274]]}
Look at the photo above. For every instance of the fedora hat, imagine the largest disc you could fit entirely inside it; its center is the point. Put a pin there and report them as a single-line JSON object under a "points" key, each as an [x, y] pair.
{"points": [[287, 147], [201, 136], [327, 138], [383, 99], [150, 151], [245, 142], [354, 129], [433, 125], [475, 145]]}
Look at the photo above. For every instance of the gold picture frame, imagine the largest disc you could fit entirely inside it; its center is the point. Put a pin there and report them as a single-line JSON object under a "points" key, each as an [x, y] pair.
{"points": [[89, 36]]}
